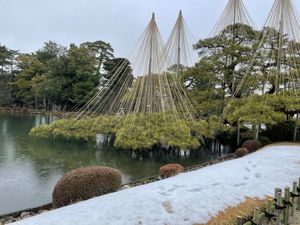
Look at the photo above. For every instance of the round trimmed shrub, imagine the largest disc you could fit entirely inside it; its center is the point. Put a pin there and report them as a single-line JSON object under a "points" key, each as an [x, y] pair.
{"points": [[265, 140], [85, 183], [241, 152], [170, 170], [252, 145]]}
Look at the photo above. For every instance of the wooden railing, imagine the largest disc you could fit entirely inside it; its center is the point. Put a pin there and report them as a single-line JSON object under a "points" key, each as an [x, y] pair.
{"points": [[278, 210]]}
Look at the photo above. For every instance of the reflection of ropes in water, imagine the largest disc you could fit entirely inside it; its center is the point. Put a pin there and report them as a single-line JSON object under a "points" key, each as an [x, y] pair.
{"points": [[282, 54]]}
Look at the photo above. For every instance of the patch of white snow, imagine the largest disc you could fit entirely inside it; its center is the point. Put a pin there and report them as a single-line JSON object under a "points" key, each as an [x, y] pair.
{"points": [[188, 198]]}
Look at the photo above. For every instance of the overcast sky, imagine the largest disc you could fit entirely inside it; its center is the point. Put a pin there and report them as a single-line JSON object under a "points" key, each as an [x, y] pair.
{"points": [[26, 24]]}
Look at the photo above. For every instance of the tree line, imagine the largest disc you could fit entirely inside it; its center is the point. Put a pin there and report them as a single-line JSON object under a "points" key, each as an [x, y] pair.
{"points": [[258, 69], [57, 77], [249, 78]]}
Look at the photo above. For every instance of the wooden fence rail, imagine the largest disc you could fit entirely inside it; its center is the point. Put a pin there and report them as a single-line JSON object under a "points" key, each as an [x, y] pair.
{"points": [[279, 210]]}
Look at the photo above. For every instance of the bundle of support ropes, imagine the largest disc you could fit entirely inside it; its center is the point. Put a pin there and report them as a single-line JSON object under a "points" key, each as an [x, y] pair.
{"points": [[145, 103]]}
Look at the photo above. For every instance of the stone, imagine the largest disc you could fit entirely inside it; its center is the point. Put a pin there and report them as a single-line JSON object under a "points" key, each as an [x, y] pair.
{"points": [[23, 214]]}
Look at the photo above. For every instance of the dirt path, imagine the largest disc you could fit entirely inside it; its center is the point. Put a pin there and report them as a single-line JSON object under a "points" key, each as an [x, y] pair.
{"points": [[296, 219]]}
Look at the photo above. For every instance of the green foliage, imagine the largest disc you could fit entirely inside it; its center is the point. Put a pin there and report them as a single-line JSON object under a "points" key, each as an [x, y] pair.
{"points": [[103, 53], [234, 70], [209, 128], [42, 131], [254, 112], [60, 77], [134, 131], [7, 58], [225, 57], [141, 132]]}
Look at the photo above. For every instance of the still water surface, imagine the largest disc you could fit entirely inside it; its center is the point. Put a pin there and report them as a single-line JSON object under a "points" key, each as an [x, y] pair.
{"points": [[30, 168]]}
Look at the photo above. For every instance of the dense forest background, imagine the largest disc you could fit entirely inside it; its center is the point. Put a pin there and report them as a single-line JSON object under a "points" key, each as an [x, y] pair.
{"points": [[54, 77]]}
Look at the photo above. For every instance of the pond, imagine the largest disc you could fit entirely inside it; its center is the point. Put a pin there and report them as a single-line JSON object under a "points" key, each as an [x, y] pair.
{"points": [[29, 169]]}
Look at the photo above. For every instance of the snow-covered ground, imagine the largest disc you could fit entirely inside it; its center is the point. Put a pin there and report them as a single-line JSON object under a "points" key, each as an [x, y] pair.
{"points": [[188, 198]]}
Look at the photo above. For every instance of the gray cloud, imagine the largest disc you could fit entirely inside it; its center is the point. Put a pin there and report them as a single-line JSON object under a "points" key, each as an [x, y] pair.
{"points": [[27, 24]]}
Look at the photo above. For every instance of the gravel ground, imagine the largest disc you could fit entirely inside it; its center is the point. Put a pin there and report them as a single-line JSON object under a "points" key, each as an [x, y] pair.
{"points": [[296, 219]]}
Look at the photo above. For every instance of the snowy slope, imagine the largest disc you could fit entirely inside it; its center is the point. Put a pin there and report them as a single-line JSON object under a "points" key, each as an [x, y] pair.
{"points": [[188, 198]]}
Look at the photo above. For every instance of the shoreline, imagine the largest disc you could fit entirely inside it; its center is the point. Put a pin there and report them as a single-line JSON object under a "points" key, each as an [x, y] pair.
{"points": [[147, 180], [155, 178], [193, 190], [27, 111]]}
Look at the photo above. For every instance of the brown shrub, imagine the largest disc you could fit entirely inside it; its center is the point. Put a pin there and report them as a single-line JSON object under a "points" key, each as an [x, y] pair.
{"points": [[240, 152], [170, 170], [85, 183], [252, 145]]}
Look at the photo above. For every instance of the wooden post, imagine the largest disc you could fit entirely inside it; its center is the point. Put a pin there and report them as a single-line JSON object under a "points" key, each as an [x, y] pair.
{"points": [[277, 190], [296, 128], [294, 192], [239, 220], [286, 211], [298, 202], [270, 209], [256, 216], [279, 204]]}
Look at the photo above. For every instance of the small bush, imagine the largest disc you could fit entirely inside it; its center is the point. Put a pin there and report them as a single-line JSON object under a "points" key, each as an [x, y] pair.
{"points": [[264, 140], [170, 170], [85, 183], [252, 145], [241, 152]]}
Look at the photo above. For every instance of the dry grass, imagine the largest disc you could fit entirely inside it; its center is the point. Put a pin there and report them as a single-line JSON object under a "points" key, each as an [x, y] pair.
{"points": [[245, 209]]}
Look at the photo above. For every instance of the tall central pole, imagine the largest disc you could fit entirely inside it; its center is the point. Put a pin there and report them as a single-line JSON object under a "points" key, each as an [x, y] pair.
{"points": [[279, 48], [235, 5], [151, 43], [149, 102], [234, 11], [179, 42]]}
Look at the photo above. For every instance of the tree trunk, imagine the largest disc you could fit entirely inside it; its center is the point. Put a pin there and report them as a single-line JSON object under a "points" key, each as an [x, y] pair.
{"points": [[238, 134], [35, 101], [256, 132], [296, 128]]}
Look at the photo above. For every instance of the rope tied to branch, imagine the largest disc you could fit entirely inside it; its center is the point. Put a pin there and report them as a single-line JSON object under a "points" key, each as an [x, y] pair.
{"points": [[287, 203], [270, 216], [293, 195], [253, 223], [280, 207]]}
